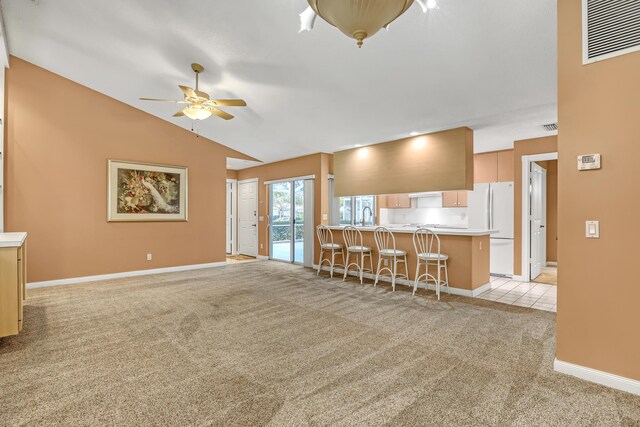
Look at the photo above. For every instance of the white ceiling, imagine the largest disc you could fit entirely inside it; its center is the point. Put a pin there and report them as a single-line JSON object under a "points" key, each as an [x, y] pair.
{"points": [[487, 64]]}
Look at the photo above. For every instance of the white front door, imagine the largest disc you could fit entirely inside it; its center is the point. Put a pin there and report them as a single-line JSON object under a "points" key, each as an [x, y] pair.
{"points": [[537, 218], [248, 218]]}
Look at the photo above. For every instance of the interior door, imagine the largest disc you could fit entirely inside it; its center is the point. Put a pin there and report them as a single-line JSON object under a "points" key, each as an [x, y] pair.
{"points": [[230, 214], [248, 218], [536, 205]]}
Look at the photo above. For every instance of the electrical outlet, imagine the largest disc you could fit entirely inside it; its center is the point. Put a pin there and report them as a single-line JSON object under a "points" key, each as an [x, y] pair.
{"points": [[480, 245], [149, 257], [386, 262], [260, 245]]}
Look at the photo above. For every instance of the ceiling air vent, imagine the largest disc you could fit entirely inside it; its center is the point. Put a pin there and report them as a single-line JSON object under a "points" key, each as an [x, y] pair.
{"points": [[609, 28], [550, 127]]}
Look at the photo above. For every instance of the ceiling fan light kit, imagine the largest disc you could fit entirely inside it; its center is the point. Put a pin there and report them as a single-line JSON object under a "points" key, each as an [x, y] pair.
{"points": [[200, 106], [358, 19]]}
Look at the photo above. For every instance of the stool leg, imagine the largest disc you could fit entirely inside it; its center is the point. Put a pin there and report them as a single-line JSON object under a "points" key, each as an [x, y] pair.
{"points": [[378, 271], [446, 276], [406, 267], [415, 282], [320, 262], [361, 267], [393, 273], [333, 260], [346, 265], [438, 282]]}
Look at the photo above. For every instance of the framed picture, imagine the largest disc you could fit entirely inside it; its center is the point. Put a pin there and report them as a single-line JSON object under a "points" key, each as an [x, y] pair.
{"points": [[146, 192]]}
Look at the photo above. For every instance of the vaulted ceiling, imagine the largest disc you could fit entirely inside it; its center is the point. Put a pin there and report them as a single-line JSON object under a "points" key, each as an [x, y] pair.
{"points": [[487, 64]]}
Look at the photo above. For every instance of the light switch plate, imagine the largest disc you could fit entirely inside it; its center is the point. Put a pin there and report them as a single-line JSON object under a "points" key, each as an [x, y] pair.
{"points": [[592, 229]]}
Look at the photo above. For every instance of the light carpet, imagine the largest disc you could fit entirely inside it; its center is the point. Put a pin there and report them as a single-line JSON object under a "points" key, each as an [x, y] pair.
{"points": [[266, 343]]}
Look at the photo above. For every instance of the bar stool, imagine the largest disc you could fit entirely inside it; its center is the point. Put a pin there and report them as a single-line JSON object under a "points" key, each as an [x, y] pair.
{"points": [[325, 237], [353, 242], [386, 243], [427, 246]]}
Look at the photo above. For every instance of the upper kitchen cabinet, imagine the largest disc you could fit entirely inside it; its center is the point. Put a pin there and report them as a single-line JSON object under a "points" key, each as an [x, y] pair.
{"points": [[485, 167], [496, 166], [455, 199], [505, 166], [393, 201]]}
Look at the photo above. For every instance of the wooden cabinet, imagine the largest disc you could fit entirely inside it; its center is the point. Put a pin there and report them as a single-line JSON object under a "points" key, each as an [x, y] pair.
{"points": [[505, 166], [496, 166], [455, 199], [13, 276], [393, 201], [485, 168]]}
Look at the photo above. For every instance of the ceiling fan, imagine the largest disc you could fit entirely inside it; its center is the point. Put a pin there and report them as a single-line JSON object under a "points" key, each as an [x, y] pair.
{"points": [[199, 105]]}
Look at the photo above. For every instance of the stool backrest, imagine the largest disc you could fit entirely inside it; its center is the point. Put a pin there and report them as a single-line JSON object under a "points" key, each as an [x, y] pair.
{"points": [[426, 241], [324, 234], [352, 236], [384, 238]]}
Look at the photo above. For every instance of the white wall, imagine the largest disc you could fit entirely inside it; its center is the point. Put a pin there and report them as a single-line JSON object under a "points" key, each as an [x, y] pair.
{"points": [[425, 210]]}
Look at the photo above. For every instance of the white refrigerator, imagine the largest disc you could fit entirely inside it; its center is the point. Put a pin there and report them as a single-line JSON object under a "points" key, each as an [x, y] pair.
{"points": [[491, 206]]}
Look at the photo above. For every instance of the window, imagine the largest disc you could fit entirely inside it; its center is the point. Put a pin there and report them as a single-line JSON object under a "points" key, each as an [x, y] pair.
{"points": [[350, 210]]}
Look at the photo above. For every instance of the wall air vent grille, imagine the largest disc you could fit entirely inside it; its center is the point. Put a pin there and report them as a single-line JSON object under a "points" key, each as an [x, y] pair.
{"points": [[610, 28], [550, 127]]}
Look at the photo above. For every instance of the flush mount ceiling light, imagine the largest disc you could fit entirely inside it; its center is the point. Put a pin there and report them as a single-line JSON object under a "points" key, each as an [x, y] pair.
{"points": [[358, 19], [199, 105]]}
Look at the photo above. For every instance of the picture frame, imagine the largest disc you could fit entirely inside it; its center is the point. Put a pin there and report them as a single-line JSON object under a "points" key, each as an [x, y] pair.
{"points": [[146, 192]]}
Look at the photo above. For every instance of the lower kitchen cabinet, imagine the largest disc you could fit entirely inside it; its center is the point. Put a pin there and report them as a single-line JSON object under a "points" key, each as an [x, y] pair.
{"points": [[13, 279]]}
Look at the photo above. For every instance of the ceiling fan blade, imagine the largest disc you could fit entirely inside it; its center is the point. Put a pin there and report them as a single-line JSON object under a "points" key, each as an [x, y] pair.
{"points": [[202, 94], [188, 91], [228, 102], [163, 100], [220, 113], [179, 113]]}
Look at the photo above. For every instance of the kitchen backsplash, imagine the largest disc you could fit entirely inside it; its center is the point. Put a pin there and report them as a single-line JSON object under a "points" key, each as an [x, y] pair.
{"points": [[425, 210]]}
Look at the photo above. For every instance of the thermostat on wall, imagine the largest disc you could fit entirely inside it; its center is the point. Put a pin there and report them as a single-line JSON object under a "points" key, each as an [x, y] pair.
{"points": [[588, 162]]}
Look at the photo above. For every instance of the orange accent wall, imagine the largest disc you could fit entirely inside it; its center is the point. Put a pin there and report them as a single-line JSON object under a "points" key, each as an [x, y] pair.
{"points": [[547, 144], [598, 292], [232, 174], [319, 164], [59, 136]]}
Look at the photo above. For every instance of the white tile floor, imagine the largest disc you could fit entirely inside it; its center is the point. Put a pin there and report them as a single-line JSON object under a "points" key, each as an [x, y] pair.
{"points": [[523, 294]]}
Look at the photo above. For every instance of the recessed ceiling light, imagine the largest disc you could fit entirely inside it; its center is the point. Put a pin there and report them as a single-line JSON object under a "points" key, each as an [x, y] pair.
{"points": [[357, 145], [414, 133]]}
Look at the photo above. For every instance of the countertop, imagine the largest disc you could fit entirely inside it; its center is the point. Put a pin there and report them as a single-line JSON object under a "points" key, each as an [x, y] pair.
{"points": [[12, 240], [438, 230]]}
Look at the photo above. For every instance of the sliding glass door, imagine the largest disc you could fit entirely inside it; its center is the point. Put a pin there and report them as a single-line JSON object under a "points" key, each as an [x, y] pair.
{"points": [[287, 221]]}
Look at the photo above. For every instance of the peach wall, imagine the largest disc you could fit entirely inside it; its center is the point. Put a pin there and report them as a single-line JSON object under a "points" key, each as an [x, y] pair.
{"points": [[598, 314], [59, 136], [232, 174], [319, 164], [547, 144]]}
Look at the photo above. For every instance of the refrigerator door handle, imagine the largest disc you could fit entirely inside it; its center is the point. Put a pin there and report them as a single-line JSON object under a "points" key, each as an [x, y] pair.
{"points": [[492, 209], [488, 212]]}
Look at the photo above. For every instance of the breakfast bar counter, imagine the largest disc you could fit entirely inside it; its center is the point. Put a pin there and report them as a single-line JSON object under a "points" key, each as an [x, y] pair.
{"points": [[468, 251]]}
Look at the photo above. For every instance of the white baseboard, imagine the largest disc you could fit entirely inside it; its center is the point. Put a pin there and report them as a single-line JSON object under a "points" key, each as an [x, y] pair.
{"points": [[124, 274], [552, 264], [262, 257], [599, 377], [455, 291]]}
